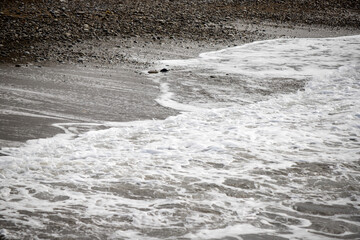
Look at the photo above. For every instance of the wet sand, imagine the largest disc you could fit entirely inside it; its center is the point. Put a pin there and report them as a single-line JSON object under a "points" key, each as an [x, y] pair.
{"points": [[109, 82], [34, 96]]}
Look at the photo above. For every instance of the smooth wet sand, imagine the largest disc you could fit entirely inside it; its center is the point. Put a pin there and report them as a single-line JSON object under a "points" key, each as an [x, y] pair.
{"points": [[34, 98]]}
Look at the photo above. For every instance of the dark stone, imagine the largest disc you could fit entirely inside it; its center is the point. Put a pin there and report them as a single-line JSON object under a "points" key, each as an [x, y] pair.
{"points": [[2, 237], [164, 70]]}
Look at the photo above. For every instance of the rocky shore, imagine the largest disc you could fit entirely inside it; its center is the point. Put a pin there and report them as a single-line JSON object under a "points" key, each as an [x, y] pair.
{"points": [[46, 30]]}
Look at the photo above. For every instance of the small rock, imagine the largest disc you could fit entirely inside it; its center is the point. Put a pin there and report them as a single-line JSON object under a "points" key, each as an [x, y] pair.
{"points": [[153, 71], [17, 65], [164, 70]]}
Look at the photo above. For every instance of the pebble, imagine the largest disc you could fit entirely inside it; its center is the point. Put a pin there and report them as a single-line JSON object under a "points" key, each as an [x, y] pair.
{"points": [[183, 19]]}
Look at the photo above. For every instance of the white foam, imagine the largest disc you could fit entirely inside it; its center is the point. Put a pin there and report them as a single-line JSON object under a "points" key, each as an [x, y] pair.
{"points": [[208, 172]]}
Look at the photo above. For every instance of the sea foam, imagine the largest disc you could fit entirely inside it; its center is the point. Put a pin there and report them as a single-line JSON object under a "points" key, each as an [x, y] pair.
{"points": [[268, 137]]}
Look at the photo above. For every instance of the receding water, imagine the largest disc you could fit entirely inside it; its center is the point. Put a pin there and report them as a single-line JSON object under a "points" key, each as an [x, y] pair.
{"points": [[267, 147]]}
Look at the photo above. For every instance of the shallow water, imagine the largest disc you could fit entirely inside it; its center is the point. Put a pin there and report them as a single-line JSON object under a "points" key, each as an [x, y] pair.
{"points": [[267, 147]]}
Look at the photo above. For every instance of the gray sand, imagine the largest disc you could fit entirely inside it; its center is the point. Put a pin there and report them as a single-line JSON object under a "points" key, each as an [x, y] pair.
{"points": [[34, 97]]}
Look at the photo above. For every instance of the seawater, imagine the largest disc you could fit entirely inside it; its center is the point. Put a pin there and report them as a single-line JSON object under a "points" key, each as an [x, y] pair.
{"points": [[266, 147]]}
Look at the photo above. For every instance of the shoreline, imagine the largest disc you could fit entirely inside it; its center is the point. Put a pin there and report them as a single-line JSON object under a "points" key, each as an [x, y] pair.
{"points": [[87, 83], [262, 158], [71, 62], [35, 31], [264, 161]]}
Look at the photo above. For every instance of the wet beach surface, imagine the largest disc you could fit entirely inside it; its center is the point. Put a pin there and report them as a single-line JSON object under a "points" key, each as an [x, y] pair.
{"points": [[118, 41], [260, 153], [33, 98], [261, 165]]}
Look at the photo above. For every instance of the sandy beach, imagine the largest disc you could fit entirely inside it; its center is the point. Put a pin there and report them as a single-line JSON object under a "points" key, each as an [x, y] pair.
{"points": [[75, 66], [53, 77]]}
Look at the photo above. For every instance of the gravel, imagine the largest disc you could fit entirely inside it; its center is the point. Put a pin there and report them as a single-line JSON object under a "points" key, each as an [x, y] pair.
{"points": [[48, 30]]}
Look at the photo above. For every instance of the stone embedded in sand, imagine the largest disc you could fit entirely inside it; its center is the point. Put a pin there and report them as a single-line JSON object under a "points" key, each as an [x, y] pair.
{"points": [[164, 70], [81, 60], [86, 27], [153, 71]]}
